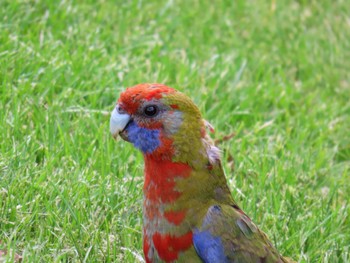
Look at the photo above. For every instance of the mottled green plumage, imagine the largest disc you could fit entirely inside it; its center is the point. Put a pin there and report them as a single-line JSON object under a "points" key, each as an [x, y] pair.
{"points": [[242, 240]]}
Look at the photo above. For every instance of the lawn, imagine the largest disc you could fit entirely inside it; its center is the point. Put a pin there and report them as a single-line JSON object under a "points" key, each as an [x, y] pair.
{"points": [[274, 73]]}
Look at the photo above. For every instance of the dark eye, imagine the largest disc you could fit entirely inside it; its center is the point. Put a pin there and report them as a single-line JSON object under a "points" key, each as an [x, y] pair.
{"points": [[151, 110]]}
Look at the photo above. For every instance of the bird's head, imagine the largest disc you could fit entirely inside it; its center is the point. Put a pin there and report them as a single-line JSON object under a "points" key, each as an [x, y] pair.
{"points": [[161, 122]]}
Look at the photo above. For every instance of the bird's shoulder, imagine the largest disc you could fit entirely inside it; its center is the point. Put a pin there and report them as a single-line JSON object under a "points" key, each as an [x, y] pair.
{"points": [[227, 234]]}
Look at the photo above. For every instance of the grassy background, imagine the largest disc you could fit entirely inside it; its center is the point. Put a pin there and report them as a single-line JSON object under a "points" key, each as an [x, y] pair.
{"points": [[276, 73]]}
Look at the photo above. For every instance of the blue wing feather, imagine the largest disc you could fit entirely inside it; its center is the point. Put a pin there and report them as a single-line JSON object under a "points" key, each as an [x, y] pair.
{"points": [[209, 248]]}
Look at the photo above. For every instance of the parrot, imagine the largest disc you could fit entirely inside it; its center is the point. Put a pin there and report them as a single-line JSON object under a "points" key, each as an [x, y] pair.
{"points": [[189, 214]]}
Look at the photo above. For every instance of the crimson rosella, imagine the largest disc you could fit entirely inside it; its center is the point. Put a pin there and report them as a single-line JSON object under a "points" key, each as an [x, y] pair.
{"points": [[189, 214]]}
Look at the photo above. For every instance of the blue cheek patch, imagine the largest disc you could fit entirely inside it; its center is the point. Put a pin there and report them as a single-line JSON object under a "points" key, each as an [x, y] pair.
{"points": [[144, 139]]}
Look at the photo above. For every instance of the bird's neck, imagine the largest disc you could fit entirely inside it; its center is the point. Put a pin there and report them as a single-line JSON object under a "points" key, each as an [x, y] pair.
{"points": [[172, 189], [160, 179]]}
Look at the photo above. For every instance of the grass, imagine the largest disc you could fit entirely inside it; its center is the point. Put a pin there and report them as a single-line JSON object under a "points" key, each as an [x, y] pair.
{"points": [[276, 73]]}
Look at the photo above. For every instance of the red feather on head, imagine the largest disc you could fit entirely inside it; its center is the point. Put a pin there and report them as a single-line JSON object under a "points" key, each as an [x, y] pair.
{"points": [[131, 97]]}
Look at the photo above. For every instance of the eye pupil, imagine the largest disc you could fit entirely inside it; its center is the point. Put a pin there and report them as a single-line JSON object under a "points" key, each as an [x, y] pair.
{"points": [[151, 110]]}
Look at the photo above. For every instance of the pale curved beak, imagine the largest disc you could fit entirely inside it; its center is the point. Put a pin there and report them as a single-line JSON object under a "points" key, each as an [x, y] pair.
{"points": [[119, 120]]}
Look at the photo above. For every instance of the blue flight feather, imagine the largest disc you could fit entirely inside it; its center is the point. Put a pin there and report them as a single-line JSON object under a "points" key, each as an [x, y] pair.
{"points": [[209, 248]]}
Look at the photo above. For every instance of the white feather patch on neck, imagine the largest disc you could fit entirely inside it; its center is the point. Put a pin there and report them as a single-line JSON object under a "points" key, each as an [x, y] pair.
{"points": [[213, 152]]}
